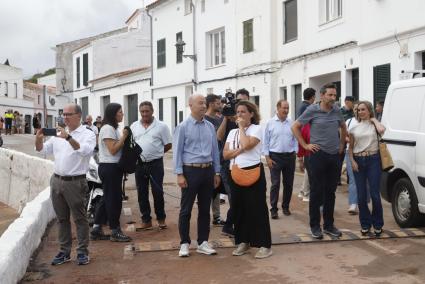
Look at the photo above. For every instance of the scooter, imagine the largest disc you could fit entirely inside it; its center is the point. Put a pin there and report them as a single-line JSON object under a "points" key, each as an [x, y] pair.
{"points": [[95, 191]]}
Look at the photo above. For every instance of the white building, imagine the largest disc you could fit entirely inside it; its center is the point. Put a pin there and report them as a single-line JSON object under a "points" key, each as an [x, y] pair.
{"points": [[26, 98], [48, 80], [275, 49], [114, 68]]}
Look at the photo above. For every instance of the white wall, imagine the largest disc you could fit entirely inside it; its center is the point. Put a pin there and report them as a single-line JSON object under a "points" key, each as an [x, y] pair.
{"points": [[13, 76], [49, 80]]}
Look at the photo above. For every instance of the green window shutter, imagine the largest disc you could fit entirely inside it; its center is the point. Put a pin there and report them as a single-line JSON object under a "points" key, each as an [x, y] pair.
{"points": [[381, 81]]}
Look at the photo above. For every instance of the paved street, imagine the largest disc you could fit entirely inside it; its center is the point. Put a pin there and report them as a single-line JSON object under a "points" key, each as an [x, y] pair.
{"points": [[152, 257]]}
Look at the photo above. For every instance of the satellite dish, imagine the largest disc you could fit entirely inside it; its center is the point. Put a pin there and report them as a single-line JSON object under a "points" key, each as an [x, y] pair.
{"points": [[52, 101]]}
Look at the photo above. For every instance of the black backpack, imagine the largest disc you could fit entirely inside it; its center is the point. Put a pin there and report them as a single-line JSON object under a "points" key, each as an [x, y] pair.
{"points": [[130, 154]]}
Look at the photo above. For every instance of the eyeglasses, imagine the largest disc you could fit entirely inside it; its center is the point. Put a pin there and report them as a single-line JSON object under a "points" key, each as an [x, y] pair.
{"points": [[69, 114]]}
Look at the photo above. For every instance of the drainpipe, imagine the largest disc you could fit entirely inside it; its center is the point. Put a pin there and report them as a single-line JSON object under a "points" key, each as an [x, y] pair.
{"points": [[195, 59], [151, 44]]}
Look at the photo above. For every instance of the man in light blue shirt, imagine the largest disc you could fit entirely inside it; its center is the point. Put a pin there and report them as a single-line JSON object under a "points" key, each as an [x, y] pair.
{"points": [[280, 148], [197, 165], [153, 136]]}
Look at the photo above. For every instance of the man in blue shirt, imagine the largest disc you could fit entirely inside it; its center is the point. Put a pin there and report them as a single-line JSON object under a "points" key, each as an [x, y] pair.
{"points": [[197, 166], [280, 148], [326, 143]]}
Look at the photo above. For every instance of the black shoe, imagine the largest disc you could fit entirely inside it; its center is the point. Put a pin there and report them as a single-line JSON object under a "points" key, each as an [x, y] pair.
{"points": [[332, 231], [229, 232], [98, 235], [365, 232], [218, 222], [286, 211], [61, 258], [378, 232], [317, 233], [120, 237], [274, 215]]}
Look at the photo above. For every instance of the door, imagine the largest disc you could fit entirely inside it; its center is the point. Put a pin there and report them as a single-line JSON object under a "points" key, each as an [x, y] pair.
{"points": [[132, 112], [28, 121]]}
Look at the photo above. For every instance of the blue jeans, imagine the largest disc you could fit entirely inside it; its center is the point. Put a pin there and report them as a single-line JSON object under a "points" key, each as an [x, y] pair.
{"points": [[352, 190], [369, 173]]}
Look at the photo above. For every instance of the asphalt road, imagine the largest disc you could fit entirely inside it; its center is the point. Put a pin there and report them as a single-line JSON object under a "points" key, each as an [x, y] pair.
{"points": [[390, 260]]}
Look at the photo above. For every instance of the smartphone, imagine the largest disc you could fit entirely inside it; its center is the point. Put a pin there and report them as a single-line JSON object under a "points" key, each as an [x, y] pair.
{"points": [[49, 131]]}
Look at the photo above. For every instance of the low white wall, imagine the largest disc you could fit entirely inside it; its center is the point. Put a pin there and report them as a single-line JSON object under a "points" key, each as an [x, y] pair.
{"points": [[24, 182], [22, 177]]}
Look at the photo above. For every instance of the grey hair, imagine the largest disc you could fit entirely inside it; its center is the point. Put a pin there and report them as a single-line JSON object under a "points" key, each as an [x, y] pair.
{"points": [[78, 109]]}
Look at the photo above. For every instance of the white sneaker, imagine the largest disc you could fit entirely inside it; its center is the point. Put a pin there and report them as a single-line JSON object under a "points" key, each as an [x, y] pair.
{"points": [[353, 209], [263, 252], [205, 249], [242, 249], [306, 198], [184, 250]]}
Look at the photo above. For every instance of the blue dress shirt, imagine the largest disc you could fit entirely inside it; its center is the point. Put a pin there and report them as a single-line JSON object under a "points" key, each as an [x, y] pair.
{"points": [[278, 137], [195, 142]]}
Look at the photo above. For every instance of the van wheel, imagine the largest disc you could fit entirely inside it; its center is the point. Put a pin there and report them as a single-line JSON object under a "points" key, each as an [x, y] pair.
{"points": [[405, 204]]}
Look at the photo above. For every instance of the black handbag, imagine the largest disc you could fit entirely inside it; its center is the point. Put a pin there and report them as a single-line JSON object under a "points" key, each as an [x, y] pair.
{"points": [[130, 154]]}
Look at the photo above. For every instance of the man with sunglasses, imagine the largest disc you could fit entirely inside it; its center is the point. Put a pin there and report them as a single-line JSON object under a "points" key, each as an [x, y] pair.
{"points": [[72, 148]]}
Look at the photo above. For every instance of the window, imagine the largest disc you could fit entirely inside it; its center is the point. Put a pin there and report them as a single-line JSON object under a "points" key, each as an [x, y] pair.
{"points": [[85, 69], [6, 89], [84, 106], [132, 109], [355, 83], [202, 6], [160, 53], [187, 7], [161, 109], [179, 55], [297, 98], [105, 101], [330, 10], [15, 89], [78, 72], [381, 81], [248, 36], [290, 20], [216, 48]]}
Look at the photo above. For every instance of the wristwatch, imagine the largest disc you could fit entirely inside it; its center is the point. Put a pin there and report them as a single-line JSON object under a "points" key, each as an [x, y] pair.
{"points": [[68, 138], [217, 174]]}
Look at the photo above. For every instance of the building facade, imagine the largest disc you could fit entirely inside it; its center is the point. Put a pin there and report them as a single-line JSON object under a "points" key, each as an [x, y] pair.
{"points": [[276, 49]]}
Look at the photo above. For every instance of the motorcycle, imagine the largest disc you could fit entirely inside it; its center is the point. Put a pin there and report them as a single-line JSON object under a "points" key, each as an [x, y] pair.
{"points": [[95, 191]]}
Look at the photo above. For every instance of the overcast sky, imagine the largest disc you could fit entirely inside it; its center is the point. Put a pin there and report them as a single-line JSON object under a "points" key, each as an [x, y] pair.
{"points": [[29, 28]]}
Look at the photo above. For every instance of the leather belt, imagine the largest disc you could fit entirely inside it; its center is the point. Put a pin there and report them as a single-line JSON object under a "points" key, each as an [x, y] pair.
{"points": [[283, 154], [365, 153], [68, 178], [198, 165]]}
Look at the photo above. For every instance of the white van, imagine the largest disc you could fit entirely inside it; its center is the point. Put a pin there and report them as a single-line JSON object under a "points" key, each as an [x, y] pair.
{"points": [[404, 118]]}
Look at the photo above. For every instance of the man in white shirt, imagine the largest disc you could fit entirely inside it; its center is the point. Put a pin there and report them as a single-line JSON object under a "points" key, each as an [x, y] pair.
{"points": [[153, 136], [280, 147], [72, 149], [89, 122]]}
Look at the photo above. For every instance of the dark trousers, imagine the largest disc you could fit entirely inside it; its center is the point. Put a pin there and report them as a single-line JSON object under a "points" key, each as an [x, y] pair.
{"points": [[341, 158], [369, 173], [323, 183], [250, 213], [111, 176], [285, 166], [225, 180], [150, 172], [200, 185]]}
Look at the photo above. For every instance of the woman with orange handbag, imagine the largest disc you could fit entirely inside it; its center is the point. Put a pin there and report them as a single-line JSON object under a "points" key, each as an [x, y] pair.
{"points": [[248, 183]]}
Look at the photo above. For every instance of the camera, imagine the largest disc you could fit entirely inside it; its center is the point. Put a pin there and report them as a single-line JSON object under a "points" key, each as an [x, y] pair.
{"points": [[230, 101]]}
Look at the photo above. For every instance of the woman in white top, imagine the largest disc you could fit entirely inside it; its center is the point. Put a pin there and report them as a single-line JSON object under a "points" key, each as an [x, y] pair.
{"points": [[111, 143], [366, 163], [250, 212]]}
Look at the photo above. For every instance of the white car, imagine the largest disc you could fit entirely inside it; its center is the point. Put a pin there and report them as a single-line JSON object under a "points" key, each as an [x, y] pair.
{"points": [[404, 118]]}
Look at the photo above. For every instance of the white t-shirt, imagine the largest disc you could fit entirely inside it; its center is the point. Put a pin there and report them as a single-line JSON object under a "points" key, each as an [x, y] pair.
{"points": [[365, 137], [248, 158], [108, 132]]}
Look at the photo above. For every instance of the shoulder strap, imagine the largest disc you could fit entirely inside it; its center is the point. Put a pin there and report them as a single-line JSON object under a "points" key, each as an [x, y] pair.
{"points": [[378, 136], [236, 143]]}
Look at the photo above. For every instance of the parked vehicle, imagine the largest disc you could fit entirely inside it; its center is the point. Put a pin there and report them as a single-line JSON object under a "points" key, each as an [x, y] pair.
{"points": [[95, 192], [404, 118]]}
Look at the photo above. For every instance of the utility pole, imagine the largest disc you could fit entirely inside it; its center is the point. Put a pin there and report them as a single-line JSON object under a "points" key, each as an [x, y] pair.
{"points": [[44, 106]]}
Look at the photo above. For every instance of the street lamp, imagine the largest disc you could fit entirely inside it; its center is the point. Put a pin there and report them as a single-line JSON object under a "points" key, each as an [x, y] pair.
{"points": [[180, 46]]}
